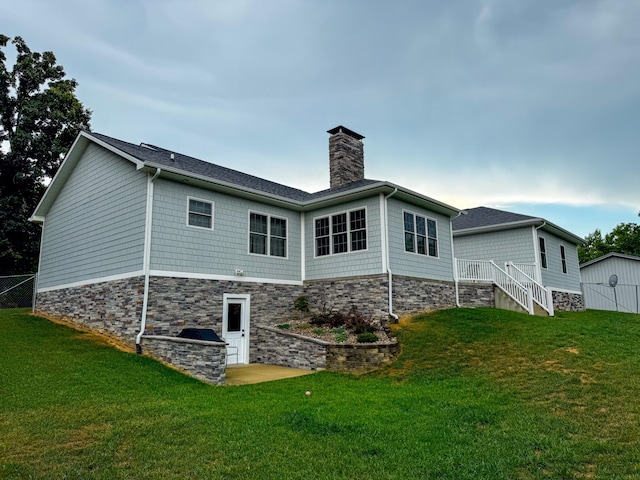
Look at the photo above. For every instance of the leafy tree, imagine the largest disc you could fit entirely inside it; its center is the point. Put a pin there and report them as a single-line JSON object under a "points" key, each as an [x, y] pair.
{"points": [[39, 118], [624, 238]]}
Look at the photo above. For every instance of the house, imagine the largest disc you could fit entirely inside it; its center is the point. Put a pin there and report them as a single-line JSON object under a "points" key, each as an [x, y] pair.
{"points": [[537, 253], [612, 282], [139, 241]]}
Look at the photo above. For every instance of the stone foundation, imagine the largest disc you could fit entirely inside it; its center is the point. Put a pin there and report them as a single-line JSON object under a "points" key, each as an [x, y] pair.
{"points": [[474, 295], [415, 295], [368, 293], [113, 308], [205, 361], [568, 302]]}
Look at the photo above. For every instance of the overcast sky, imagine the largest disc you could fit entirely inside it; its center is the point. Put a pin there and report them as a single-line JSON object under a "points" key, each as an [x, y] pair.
{"points": [[530, 106]]}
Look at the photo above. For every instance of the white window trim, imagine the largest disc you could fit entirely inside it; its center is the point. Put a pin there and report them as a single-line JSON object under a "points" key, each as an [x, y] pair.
{"points": [[212, 213], [269, 217], [426, 218], [564, 261], [546, 253], [349, 251]]}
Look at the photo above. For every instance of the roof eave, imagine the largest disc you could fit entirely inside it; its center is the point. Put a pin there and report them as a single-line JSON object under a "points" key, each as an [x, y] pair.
{"points": [[535, 222]]}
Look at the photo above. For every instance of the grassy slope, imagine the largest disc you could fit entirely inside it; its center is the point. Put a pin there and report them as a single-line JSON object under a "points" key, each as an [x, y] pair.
{"points": [[476, 394]]}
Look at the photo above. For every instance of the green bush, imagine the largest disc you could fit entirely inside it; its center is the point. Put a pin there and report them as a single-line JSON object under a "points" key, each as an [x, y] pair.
{"points": [[341, 337], [367, 337], [284, 326], [302, 304]]}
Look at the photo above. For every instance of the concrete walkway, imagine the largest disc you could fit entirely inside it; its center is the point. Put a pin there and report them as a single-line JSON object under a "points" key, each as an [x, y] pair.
{"points": [[258, 373]]}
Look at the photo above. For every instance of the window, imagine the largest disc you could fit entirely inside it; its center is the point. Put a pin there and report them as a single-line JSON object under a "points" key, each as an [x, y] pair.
{"points": [[543, 253], [199, 213], [341, 233], [267, 235], [563, 258], [420, 235]]}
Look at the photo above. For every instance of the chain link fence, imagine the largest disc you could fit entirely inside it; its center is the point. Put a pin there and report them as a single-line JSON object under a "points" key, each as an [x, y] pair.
{"points": [[17, 291], [621, 298]]}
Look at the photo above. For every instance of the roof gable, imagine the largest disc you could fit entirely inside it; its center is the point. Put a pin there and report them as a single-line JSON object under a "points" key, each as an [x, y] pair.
{"points": [[608, 256]]}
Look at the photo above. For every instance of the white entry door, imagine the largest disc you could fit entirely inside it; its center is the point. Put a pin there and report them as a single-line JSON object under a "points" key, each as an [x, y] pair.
{"points": [[235, 327]]}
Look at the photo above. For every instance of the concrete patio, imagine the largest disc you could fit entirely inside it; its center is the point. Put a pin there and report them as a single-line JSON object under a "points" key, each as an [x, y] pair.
{"points": [[258, 373]]}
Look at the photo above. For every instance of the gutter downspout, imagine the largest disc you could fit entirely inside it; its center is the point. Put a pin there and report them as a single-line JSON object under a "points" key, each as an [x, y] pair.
{"points": [[536, 246], [147, 257], [390, 275], [453, 258]]}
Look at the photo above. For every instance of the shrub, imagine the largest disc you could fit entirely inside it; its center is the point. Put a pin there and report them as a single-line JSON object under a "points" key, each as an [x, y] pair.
{"points": [[302, 304], [358, 323], [284, 326], [367, 337], [329, 319]]}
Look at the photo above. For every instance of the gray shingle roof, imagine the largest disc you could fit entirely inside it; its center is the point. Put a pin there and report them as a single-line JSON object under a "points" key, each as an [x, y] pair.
{"points": [[162, 157], [484, 217]]}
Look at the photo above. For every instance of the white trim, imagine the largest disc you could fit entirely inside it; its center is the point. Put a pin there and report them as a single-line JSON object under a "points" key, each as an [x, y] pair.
{"points": [[110, 278], [35, 296], [189, 198], [348, 232], [415, 234], [563, 290], [303, 248], [268, 245], [383, 229], [230, 278]]}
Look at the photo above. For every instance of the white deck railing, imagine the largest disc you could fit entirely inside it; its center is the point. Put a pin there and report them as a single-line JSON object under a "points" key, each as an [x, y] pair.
{"points": [[540, 294], [488, 271], [529, 269]]}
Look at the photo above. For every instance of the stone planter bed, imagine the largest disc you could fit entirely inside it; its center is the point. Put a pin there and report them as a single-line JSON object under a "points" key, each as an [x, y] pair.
{"points": [[338, 336]]}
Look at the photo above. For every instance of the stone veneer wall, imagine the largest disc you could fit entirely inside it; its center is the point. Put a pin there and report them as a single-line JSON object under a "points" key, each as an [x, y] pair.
{"points": [[368, 293], [205, 361], [360, 358], [112, 307], [276, 347], [476, 295], [415, 295], [568, 302]]}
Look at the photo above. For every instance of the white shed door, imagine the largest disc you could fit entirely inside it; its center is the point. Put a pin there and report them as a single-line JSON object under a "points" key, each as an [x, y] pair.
{"points": [[235, 327]]}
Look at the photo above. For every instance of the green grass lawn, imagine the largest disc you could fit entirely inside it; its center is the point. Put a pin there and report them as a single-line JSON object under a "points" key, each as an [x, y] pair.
{"points": [[476, 394]]}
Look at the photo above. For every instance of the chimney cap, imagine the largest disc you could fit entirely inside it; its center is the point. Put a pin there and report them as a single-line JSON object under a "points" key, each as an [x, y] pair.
{"points": [[341, 129]]}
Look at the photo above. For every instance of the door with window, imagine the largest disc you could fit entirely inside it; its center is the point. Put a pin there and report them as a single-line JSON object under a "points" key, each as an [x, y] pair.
{"points": [[235, 326]]}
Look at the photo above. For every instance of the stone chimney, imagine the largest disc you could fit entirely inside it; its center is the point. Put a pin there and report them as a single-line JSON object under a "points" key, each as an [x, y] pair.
{"points": [[346, 156]]}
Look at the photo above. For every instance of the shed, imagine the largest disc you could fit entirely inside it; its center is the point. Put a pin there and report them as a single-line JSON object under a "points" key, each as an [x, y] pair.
{"points": [[597, 291]]}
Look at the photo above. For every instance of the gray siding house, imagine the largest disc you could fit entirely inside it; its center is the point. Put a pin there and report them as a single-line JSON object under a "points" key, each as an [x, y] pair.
{"points": [[533, 250], [141, 241], [600, 295]]}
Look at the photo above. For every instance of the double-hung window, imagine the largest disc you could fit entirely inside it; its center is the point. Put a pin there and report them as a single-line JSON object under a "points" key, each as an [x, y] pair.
{"points": [[563, 258], [267, 235], [341, 233], [420, 235], [199, 213], [543, 252]]}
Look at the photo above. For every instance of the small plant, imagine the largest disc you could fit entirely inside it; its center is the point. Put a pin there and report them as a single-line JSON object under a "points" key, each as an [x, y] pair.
{"points": [[284, 326], [318, 331], [341, 337], [367, 337], [301, 304], [338, 331]]}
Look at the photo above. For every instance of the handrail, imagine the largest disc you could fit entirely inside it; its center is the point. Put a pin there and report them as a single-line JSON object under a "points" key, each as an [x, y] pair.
{"points": [[539, 292], [488, 271]]}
